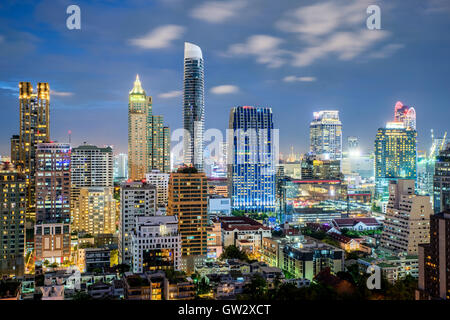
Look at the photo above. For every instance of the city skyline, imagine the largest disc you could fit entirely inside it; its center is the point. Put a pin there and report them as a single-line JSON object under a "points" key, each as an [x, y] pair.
{"points": [[237, 72]]}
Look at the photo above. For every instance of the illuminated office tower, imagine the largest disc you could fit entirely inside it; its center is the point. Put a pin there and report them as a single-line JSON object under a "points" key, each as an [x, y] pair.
{"points": [[12, 223], [441, 181], [34, 129], [395, 156], [148, 139], [188, 190], [120, 167], [405, 114], [52, 229], [193, 105], [251, 173], [137, 199], [326, 135], [407, 220], [96, 208]]}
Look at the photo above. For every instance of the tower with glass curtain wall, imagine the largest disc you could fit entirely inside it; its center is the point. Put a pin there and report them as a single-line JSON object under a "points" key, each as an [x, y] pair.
{"points": [[395, 156], [251, 171], [193, 105], [326, 135]]}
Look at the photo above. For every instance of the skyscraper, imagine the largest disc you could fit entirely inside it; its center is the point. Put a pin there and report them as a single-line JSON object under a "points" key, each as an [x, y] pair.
{"points": [[148, 139], [405, 114], [188, 191], [434, 265], [252, 169], [407, 222], [12, 223], [395, 156], [193, 105], [52, 229], [441, 181], [120, 167], [91, 166], [326, 135], [138, 199], [34, 129]]}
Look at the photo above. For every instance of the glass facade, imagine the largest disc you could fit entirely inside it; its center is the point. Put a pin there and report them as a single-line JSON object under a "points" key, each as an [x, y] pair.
{"points": [[252, 171], [326, 135], [441, 185], [193, 105], [395, 156]]}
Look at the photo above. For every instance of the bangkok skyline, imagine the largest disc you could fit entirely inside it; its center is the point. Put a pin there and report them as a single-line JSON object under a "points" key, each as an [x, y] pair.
{"points": [[359, 72]]}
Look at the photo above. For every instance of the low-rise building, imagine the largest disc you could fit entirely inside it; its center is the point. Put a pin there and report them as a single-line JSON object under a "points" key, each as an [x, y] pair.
{"points": [[236, 229], [357, 224], [155, 244]]}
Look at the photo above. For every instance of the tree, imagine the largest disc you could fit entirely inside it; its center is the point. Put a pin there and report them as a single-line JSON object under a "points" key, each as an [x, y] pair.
{"points": [[122, 268], [257, 287], [233, 252]]}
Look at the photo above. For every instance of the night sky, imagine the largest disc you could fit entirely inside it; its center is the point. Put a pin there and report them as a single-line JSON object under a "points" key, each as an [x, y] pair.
{"points": [[293, 56]]}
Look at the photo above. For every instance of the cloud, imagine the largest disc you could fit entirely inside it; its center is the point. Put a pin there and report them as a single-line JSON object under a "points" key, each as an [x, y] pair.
{"points": [[218, 11], [160, 37], [345, 45], [333, 28], [324, 18], [437, 6], [60, 93], [170, 94], [265, 48], [299, 79], [386, 51], [225, 89]]}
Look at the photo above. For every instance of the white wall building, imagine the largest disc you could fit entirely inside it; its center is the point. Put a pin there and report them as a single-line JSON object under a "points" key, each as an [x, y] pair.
{"points": [[161, 181], [137, 199], [156, 244]]}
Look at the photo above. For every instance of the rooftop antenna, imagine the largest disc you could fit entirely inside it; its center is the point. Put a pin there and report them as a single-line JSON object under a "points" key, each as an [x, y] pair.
{"points": [[70, 136]]}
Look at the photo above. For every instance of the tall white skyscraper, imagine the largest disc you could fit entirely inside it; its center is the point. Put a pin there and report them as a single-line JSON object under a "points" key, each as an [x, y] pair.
{"points": [[193, 105], [326, 135]]}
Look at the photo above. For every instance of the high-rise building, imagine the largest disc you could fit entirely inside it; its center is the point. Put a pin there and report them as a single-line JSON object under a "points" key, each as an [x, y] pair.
{"points": [[148, 139], [161, 181], [434, 264], [15, 148], [405, 114], [12, 223], [407, 220], [96, 211], [91, 166], [251, 172], [34, 129], [193, 105], [137, 199], [441, 181], [326, 135], [120, 167], [52, 229], [188, 191], [156, 244], [395, 156]]}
